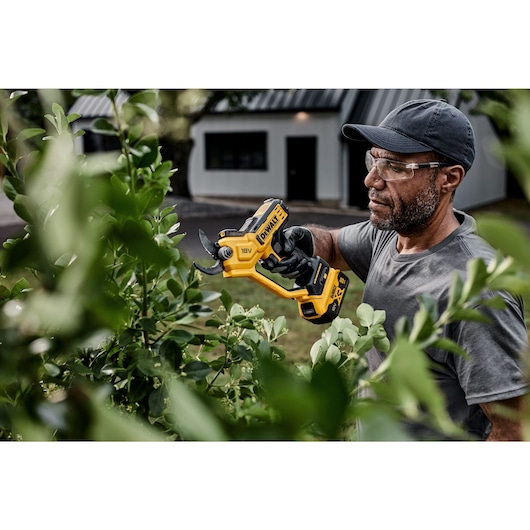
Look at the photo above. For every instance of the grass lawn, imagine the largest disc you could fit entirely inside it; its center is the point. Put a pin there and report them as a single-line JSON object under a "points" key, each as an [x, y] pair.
{"points": [[302, 334]]}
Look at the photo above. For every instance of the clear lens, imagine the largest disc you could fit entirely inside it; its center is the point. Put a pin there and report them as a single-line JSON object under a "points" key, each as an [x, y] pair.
{"points": [[388, 169]]}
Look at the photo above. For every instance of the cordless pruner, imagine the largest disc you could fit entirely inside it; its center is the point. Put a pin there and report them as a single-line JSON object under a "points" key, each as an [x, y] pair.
{"points": [[238, 252]]}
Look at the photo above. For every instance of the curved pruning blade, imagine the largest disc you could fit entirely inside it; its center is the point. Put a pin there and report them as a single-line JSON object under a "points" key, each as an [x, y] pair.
{"points": [[210, 247]]}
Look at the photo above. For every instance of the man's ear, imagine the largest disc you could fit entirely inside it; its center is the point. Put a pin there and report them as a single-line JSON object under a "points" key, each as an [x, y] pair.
{"points": [[453, 177]]}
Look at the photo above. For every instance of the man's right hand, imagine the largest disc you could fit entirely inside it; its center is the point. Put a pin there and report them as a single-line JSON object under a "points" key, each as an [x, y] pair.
{"points": [[296, 249]]}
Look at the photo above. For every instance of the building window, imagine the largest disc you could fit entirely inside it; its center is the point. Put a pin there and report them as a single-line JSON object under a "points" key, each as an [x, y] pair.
{"points": [[245, 150], [93, 142]]}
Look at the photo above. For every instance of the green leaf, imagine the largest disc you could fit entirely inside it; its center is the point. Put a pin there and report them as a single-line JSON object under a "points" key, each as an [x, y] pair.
{"points": [[20, 287], [148, 324], [13, 96], [26, 134], [506, 235], [196, 370], [331, 335], [305, 371], [264, 348], [5, 293], [382, 344], [145, 97], [495, 302], [409, 367], [171, 352], [341, 324], [175, 287], [147, 111], [477, 274], [365, 314], [73, 117], [192, 295], [332, 397], [141, 245], [423, 325], [379, 317], [156, 401], [13, 186], [191, 416], [23, 207], [60, 118], [110, 424], [255, 313], [430, 304], [317, 351], [455, 290], [472, 315], [363, 344], [147, 149], [449, 345], [52, 369], [226, 300], [350, 335], [149, 366], [235, 371], [181, 336], [333, 354], [89, 92], [103, 126], [280, 324], [237, 311]]}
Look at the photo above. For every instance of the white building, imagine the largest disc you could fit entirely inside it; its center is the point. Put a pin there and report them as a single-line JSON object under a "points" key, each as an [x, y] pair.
{"points": [[288, 144]]}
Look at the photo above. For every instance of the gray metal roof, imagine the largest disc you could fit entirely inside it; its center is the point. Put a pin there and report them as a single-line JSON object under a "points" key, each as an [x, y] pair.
{"points": [[271, 100], [369, 106], [292, 100], [373, 105], [96, 106]]}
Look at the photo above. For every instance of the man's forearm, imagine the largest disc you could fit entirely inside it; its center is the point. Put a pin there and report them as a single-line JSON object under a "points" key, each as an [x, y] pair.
{"points": [[325, 241], [505, 417]]}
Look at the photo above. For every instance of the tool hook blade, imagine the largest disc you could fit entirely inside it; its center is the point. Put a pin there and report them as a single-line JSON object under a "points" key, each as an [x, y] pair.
{"points": [[210, 247], [214, 269]]}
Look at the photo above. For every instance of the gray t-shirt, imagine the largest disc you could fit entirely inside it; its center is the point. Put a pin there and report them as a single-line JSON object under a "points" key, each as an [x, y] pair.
{"points": [[392, 283]]}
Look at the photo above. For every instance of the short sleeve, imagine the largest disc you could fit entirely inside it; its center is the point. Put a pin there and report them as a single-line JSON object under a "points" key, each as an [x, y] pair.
{"points": [[493, 370], [356, 243]]}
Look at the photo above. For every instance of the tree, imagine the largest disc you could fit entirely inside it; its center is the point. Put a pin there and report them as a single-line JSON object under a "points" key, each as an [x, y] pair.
{"points": [[179, 111]]}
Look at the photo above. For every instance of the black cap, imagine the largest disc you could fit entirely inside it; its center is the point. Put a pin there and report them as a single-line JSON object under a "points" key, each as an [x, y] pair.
{"points": [[420, 126]]}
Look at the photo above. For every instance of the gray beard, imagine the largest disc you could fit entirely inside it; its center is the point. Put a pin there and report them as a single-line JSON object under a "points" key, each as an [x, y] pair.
{"points": [[413, 218]]}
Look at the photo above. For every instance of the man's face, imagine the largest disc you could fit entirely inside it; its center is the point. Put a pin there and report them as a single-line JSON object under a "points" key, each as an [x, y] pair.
{"points": [[405, 206]]}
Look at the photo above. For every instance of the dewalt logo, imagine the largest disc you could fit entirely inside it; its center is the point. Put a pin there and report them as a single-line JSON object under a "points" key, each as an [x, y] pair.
{"points": [[267, 229], [276, 217]]}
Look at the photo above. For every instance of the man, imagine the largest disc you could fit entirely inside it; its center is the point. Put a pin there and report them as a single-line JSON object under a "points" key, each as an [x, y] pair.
{"points": [[414, 240]]}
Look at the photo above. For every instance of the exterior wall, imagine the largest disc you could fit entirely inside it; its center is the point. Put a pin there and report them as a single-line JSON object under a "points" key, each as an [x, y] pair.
{"points": [[273, 181], [80, 124], [486, 181]]}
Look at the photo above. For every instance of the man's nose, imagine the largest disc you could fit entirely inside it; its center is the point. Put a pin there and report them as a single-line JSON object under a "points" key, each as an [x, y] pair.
{"points": [[373, 180]]}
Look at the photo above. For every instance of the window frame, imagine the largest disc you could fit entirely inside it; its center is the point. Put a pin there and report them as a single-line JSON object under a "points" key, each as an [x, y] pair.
{"points": [[228, 150]]}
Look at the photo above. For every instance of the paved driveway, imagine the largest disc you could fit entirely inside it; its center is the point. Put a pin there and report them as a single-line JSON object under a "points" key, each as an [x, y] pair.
{"points": [[208, 216]]}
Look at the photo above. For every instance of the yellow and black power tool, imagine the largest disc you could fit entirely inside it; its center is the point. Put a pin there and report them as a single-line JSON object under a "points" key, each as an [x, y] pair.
{"points": [[238, 252]]}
